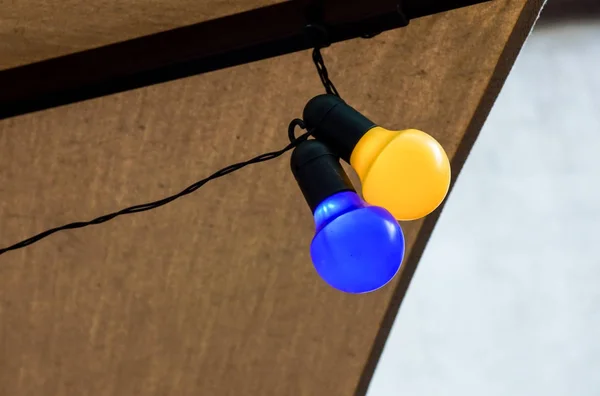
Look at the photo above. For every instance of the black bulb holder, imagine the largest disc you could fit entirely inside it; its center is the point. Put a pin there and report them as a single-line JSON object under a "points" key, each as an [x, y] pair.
{"points": [[318, 172], [336, 124]]}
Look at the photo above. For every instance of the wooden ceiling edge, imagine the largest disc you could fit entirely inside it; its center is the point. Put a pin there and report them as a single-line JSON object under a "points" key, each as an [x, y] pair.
{"points": [[515, 42]]}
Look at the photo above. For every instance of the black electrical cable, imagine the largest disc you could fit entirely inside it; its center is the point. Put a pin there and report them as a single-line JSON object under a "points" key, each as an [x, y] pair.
{"points": [[153, 205], [294, 141]]}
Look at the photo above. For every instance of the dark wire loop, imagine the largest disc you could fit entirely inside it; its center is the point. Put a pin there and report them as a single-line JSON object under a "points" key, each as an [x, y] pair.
{"points": [[153, 205], [297, 122], [323, 73]]}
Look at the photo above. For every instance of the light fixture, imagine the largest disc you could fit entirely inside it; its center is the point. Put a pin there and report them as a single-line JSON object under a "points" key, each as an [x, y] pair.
{"points": [[357, 248], [407, 172]]}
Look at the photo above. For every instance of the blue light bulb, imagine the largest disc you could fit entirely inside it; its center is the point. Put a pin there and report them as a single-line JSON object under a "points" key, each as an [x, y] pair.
{"points": [[357, 248]]}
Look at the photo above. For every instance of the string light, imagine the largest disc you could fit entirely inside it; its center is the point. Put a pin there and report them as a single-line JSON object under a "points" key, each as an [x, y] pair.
{"points": [[407, 172], [357, 248]]}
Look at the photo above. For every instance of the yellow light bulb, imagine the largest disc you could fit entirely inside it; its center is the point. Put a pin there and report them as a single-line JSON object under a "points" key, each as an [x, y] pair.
{"points": [[406, 172]]}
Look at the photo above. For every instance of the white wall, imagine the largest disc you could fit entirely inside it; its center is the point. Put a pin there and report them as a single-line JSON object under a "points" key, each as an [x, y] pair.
{"points": [[506, 300]]}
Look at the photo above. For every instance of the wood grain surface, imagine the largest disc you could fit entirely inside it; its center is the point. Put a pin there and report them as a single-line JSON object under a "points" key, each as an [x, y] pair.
{"points": [[215, 294]]}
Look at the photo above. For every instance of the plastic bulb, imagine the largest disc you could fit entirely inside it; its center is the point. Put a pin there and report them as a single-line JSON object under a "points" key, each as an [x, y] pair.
{"points": [[406, 172], [357, 248]]}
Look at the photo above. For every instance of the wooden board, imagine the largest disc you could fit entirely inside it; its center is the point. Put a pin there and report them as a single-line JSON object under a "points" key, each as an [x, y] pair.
{"points": [[215, 294], [34, 30]]}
